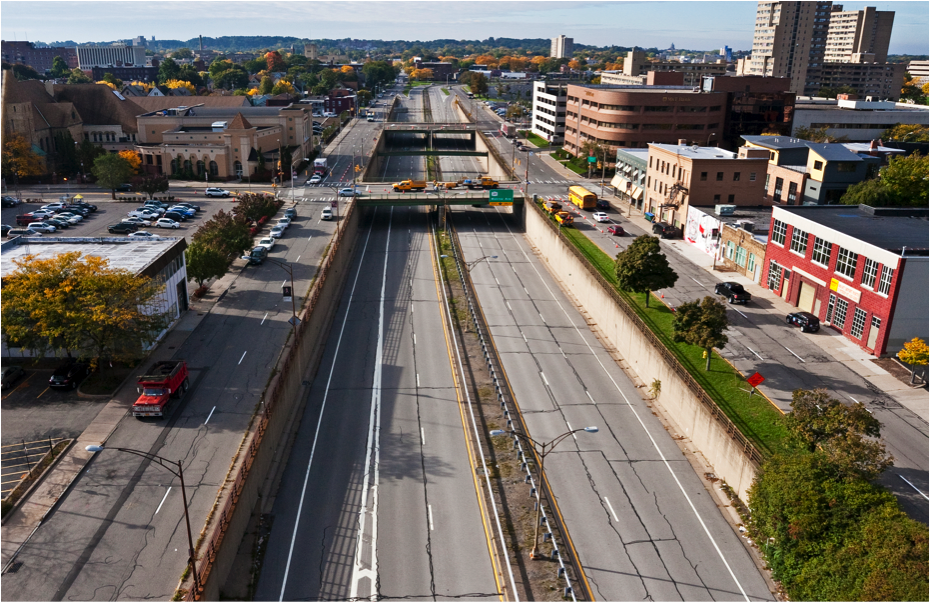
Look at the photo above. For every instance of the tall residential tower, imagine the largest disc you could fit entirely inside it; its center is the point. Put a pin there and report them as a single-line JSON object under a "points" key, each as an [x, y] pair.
{"points": [[562, 47]]}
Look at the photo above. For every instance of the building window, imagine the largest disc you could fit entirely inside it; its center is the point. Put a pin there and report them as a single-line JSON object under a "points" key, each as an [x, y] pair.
{"points": [[818, 165], [779, 232], [845, 166], [799, 241], [779, 184], [792, 192], [716, 198], [869, 272], [703, 176], [830, 306], [839, 315], [735, 176], [846, 262], [822, 251], [774, 275], [719, 176], [731, 199], [884, 284], [729, 250], [751, 263], [858, 324], [741, 257]]}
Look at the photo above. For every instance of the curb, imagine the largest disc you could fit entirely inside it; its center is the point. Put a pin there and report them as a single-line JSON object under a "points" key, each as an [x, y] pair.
{"points": [[37, 482]]}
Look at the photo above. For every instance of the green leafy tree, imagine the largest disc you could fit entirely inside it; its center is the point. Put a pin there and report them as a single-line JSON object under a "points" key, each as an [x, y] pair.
{"points": [[151, 184], [907, 180], [847, 434], [66, 154], [59, 67], [364, 97], [817, 135], [914, 353], [182, 53], [80, 305], [188, 73], [828, 92], [87, 153], [111, 170], [226, 233], [111, 79], [168, 70], [701, 324], [79, 77], [329, 78], [235, 77], [868, 192], [478, 83], [643, 268], [252, 207], [907, 133], [266, 85], [25, 72], [205, 262], [287, 160], [255, 65]]}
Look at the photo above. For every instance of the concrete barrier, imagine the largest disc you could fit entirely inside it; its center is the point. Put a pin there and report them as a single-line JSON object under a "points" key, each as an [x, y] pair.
{"points": [[227, 522], [690, 409]]}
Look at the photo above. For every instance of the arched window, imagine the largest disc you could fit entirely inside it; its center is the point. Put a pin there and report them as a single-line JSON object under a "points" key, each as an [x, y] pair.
{"points": [[199, 167], [187, 165], [238, 167], [214, 169]]}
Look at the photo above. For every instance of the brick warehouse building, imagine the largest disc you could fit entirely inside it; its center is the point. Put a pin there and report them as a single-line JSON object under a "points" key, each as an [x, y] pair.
{"points": [[861, 270]]}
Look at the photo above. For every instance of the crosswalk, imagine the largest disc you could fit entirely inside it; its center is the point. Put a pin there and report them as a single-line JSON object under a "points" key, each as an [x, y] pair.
{"points": [[553, 182]]}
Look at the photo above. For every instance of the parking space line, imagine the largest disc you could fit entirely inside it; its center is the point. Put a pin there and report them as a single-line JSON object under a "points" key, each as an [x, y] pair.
{"points": [[209, 415], [162, 501], [612, 512], [243, 357], [793, 354]]}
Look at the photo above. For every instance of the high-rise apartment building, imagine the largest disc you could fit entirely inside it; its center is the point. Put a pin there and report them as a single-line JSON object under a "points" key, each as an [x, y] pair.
{"points": [[806, 41], [562, 47], [110, 56]]}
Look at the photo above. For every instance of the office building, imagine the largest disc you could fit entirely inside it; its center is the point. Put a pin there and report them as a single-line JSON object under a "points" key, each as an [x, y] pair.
{"points": [[549, 101], [40, 59], [636, 64], [920, 71], [861, 270], [110, 56], [755, 105], [855, 120], [562, 47]]}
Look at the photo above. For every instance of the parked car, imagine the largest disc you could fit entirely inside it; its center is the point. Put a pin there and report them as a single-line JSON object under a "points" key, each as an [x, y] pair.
{"points": [[180, 209], [137, 221], [155, 209], [69, 218], [5, 228], [277, 231], [666, 231], [616, 229], [257, 255], [56, 206], [59, 224], [123, 188], [41, 213], [41, 227], [807, 321], [268, 243], [326, 214], [166, 223], [192, 206], [216, 192], [9, 201], [143, 234], [347, 192], [69, 375], [283, 221], [601, 216], [122, 228], [176, 216], [22, 232], [83, 204], [11, 375], [291, 212], [145, 214], [156, 204], [734, 292]]}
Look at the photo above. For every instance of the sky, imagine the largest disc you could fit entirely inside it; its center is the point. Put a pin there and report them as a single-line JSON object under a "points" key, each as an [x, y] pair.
{"points": [[698, 25]]}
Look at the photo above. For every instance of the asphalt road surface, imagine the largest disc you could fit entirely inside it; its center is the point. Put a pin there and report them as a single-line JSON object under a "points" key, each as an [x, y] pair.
{"points": [[378, 496], [640, 517]]}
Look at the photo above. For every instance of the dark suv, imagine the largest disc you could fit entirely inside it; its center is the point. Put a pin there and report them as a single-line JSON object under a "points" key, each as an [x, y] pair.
{"points": [[69, 375], [666, 231], [807, 321], [734, 292], [122, 228]]}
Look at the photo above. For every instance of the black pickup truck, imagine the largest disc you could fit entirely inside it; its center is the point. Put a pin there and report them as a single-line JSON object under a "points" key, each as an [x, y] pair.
{"points": [[734, 292]]}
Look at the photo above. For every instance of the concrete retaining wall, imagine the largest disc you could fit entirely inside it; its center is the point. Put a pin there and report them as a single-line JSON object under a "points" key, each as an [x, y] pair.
{"points": [[710, 431], [240, 493]]}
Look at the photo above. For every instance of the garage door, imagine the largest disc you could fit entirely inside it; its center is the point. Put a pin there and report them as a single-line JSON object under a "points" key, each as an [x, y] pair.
{"points": [[806, 297]]}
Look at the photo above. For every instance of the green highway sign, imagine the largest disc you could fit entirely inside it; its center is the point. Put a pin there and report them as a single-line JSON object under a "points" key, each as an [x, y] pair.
{"points": [[592, 159], [501, 196]]}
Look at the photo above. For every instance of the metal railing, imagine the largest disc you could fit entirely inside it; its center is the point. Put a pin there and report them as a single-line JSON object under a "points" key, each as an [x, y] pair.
{"points": [[19, 462]]}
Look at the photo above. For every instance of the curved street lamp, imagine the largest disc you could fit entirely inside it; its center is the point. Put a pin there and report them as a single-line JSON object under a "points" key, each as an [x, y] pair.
{"points": [[180, 474], [542, 449]]}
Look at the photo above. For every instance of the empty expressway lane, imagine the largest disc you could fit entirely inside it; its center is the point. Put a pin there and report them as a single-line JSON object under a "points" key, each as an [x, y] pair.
{"points": [[378, 497], [640, 517]]}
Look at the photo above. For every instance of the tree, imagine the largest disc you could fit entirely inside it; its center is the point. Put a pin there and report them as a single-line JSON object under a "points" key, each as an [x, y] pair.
{"points": [[907, 133], [205, 262], [255, 65], [702, 325], [19, 160], [914, 353], [107, 84], [80, 305], [66, 154], [168, 70], [225, 233], [25, 72], [364, 97], [287, 159], [828, 92], [907, 180], [113, 80], [478, 83], [868, 192], [847, 434], [252, 207], [188, 73], [175, 84], [87, 153], [266, 85], [59, 67], [232, 78], [643, 268], [79, 77], [152, 184], [283, 87], [275, 61], [182, 53], [133, 159], [111, 170], [911, 90]]}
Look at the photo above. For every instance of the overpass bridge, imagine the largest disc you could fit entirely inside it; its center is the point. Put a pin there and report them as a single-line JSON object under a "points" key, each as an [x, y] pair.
{"points": [[434, 139]]}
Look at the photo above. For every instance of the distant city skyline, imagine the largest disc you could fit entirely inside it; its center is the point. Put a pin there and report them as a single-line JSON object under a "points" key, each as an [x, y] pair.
{"points": [[689, 25]]}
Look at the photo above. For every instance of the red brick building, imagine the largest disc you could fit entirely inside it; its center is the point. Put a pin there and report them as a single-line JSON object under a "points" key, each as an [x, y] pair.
{"points": [[861, 270]]}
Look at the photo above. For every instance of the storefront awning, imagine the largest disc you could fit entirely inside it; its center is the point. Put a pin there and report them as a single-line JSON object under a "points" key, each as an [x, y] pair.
{"points": [[636, 193]]}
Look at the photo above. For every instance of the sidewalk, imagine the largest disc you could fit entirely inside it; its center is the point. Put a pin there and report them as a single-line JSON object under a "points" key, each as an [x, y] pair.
{"points": [[832, 343], [19, 526]]}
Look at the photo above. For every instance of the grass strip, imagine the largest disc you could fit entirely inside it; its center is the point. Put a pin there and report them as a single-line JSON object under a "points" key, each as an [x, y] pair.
{"points": [[536, 139], [444, 91], [754, 416]]}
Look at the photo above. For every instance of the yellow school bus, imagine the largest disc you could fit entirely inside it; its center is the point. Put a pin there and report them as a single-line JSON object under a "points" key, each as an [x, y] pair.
{"points": [[582, 197]]}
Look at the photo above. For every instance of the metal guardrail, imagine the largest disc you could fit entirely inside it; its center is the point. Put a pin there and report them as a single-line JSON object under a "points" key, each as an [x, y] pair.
{"points": [[18, 462], [269, 403], [512, 412], [731, 429]]}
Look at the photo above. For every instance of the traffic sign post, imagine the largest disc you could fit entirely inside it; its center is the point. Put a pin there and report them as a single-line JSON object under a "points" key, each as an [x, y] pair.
{"points": [[754, 381]]}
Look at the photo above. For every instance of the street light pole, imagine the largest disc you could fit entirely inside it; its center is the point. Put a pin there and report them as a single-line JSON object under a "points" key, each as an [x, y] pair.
{"points": [[180, 474], [290, 271], [542, 449]]}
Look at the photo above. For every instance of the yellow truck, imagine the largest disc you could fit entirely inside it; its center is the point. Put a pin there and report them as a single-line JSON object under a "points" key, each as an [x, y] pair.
{"points": [[564, 218], [582, 197], [482, 182], [409, 185], [552, 207]]}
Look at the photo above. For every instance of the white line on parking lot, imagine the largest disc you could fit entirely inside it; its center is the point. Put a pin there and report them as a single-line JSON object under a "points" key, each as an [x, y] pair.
{"points": [[418, 379], [422, 437], [793, 354], [209, 415], [243, 356], [162, 501], [754, 352], [546, 381], [612, 512], [263, 320], [297, 260], [429, 508]]}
